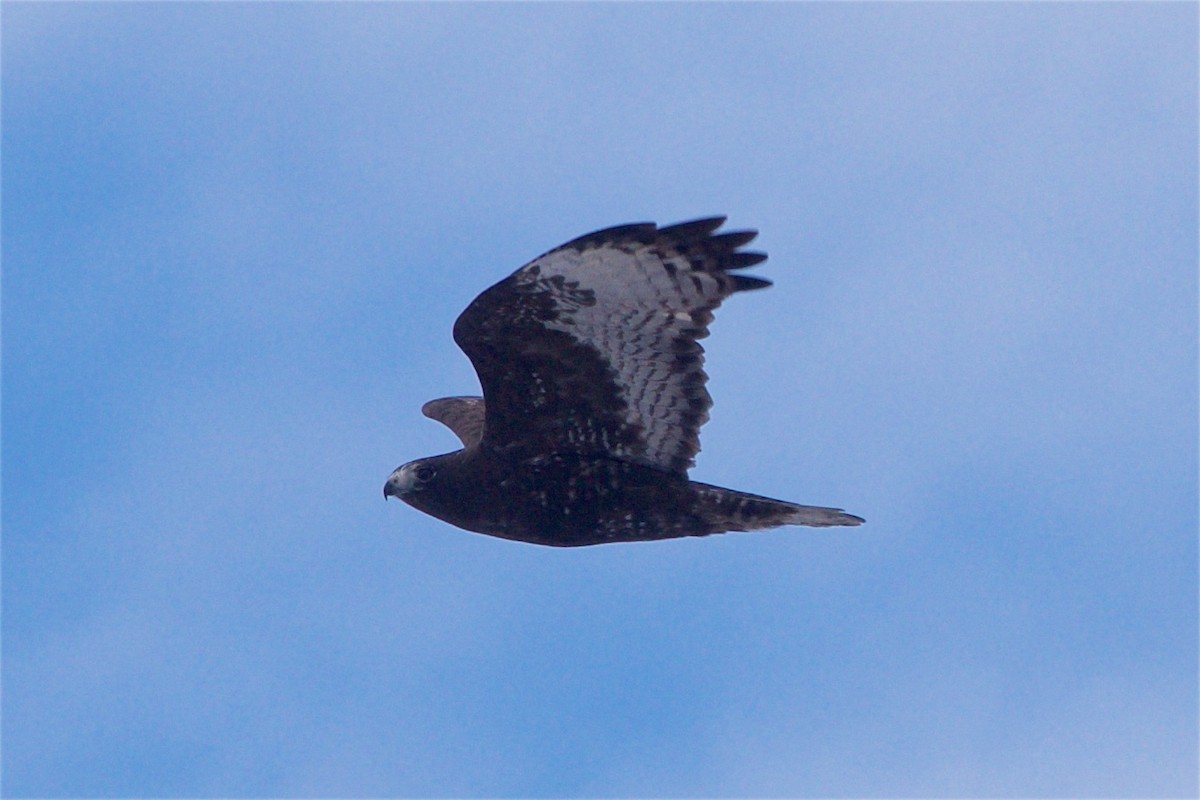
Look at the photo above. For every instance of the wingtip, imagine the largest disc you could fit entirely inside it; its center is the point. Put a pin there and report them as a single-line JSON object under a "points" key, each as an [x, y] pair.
{"points": [[732, 240], [694, 228], [743, 259], [748, 283]]}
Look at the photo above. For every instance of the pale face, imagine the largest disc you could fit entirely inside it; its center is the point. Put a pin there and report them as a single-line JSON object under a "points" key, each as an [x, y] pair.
{"points": [[412, 477]]}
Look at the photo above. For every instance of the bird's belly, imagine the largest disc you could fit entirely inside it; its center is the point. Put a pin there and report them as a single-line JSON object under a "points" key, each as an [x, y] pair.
{"points": [[571, 501]]}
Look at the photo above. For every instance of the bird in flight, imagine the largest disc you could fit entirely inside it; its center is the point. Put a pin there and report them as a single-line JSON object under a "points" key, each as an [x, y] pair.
{"points": [[593, 397]]}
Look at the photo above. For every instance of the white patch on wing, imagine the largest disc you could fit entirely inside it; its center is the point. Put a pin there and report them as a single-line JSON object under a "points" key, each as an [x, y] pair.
{"points": [[650, 305]]}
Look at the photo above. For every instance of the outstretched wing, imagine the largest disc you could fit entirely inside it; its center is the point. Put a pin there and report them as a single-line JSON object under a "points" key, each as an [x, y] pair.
{"points": [[463, 415], [592, 348]]}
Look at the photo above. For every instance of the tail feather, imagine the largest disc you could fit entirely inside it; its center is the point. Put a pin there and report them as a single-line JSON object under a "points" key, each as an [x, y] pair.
{"points": [[729, 510]]}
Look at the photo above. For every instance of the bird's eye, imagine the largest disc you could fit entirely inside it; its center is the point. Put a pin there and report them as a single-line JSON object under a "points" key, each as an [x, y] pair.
{"points": [[424, 473]]}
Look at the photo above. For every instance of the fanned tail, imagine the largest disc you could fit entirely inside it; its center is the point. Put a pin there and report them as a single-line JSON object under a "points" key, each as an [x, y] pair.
{"points": [[729, 510]]}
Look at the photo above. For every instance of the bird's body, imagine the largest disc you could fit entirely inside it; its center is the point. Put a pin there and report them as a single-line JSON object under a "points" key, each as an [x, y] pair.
{"points": [[593, 397], [571, 500]]}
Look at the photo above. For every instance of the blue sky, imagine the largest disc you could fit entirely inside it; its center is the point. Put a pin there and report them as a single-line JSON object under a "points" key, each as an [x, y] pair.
{"points": [[236, 237]]}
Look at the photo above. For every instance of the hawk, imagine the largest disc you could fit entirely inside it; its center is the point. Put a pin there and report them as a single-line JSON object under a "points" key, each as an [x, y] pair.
{"points": [[593, 397]]}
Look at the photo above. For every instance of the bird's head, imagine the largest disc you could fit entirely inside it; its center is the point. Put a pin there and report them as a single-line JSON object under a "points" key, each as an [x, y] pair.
{"points": [[438, 486], [413, 477]]}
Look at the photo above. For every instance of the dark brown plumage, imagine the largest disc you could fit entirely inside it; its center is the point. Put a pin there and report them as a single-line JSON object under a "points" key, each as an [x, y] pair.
{"points": [[594, 395]]}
